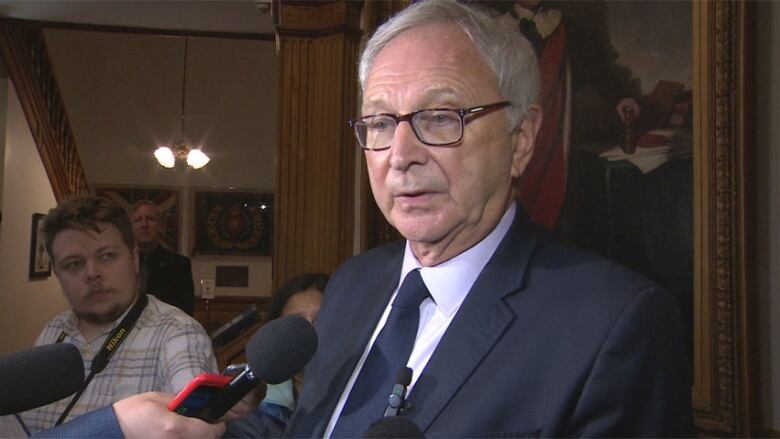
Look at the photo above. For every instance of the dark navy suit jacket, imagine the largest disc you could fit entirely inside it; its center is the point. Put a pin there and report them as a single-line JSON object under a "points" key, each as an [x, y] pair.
{"points": [[549, 342], [168, 276]]}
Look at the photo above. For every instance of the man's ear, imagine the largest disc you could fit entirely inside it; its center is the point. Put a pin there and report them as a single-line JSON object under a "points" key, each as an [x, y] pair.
{"points": [[524, 139]]}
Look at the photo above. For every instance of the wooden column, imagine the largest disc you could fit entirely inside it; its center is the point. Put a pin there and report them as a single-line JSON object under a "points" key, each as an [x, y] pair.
{"points": [[314, 222]]}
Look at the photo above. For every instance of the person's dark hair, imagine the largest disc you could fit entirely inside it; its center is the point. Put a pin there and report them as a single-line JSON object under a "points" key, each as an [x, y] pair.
{"points": [[294, 286], [85, 213]]}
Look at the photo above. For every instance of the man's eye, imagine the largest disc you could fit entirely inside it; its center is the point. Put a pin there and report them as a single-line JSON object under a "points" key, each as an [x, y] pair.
{"points": [[73, 265], [440, 118], [107, 256], [379, 124]]}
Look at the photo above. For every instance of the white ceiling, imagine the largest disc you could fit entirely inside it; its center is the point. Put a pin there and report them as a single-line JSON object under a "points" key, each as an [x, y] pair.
{"points": [[233, 16]]}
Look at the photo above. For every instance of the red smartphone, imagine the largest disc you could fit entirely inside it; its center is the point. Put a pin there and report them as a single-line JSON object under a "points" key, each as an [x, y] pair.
{"points": [[197, 395]]}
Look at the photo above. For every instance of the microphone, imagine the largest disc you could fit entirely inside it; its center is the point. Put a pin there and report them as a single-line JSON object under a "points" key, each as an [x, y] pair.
{"points": [[279, 350], [393, 427], [39, 376], [395, 402]]}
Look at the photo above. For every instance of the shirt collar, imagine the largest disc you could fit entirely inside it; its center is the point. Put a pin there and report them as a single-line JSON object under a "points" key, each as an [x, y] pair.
{"points": [[450, 281]]}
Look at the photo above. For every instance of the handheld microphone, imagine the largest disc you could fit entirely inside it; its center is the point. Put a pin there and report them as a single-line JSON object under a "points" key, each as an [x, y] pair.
{"points": [[279, 350], [395, 402], [39, 376], [393, 427]]}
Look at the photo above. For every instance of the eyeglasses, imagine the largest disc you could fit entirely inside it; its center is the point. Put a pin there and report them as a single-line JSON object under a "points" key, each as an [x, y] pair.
{"points": [[433, 127]]}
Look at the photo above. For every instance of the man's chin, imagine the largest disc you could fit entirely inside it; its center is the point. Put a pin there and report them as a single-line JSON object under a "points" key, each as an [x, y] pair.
{"points": [[420, 228], [101, 318]]}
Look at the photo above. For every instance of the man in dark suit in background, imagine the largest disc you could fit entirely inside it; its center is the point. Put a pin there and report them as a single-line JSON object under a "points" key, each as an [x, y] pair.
{"points": [[165, 274], [513, 334]]}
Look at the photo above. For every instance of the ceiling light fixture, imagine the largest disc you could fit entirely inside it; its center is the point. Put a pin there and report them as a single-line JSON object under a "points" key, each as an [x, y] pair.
{"points": [[166, 156]]}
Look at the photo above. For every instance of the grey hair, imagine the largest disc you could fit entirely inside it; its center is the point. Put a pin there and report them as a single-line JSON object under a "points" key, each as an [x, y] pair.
{"points": [[508, 54]]}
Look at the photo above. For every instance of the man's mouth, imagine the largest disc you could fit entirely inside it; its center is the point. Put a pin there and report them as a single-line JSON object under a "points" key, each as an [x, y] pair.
{"points": [[98, 293], [412, 199]]}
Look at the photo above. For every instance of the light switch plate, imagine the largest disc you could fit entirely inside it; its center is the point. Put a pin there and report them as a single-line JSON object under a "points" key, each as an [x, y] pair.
{"points": [[207, 288]]}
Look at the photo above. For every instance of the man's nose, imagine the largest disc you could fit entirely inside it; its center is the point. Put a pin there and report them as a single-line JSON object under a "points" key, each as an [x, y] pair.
{"points": [[93, 270], [406, 148]]}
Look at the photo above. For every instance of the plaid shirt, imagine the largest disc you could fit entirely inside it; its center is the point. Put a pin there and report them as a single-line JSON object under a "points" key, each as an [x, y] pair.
{"points": [[164, 351]]}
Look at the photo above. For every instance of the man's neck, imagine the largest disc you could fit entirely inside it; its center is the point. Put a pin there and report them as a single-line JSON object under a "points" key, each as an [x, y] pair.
{"points": [[148, 248], [432, 254], [91, 331]]}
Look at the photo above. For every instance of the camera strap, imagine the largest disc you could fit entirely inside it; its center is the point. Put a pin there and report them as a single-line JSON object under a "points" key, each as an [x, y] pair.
{"points": [[111, 345]]}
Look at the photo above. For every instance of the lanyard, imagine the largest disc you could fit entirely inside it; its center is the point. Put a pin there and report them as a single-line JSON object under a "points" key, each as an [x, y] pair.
{"points": [[110, 346]]}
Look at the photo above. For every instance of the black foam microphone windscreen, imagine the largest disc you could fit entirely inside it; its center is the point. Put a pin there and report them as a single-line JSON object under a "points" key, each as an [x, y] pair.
{"points": [[39, 376], [393, 427], [404, 376], [281, 348]]}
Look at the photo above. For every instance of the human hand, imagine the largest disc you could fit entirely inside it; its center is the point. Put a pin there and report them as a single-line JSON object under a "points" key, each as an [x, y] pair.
{"points": [[146, 415], [627, 106], [247, 405]]}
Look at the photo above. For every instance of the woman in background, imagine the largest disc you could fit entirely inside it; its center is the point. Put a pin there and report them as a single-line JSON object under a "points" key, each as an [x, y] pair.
{"points": [[301, 296]]}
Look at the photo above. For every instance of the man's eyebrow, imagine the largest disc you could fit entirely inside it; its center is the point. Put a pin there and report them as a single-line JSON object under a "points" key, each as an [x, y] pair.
{"points": [[430, 98], [107, 247], [71, 256], [68, 258]]}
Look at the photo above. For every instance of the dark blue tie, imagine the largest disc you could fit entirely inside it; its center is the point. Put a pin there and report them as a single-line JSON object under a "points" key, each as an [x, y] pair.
{"points": [[367, 400]]}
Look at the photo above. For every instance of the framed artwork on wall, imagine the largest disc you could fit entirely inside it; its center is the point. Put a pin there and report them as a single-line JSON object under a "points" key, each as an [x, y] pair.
{"points": [[40, 265], [234, 223], [167, 200]]}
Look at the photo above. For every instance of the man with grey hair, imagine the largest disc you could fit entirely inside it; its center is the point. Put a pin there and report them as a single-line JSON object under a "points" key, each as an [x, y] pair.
{"points": [[506, 332], [164, 273]]}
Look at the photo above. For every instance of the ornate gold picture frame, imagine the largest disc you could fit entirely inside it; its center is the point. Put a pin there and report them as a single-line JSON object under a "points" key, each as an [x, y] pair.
{"points": [[723, 390]]}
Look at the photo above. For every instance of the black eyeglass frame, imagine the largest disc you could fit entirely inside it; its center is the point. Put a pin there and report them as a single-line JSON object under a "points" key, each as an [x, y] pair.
{"points": [[398, 118]]}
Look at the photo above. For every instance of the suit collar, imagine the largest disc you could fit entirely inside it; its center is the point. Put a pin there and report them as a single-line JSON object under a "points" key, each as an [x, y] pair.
{"points": [[381, 288], [480, 322], [355, 333], [450, 281], [157, 254]]}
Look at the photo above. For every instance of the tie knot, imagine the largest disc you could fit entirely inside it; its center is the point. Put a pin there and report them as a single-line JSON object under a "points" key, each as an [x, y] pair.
{"points": [[412, 292]]}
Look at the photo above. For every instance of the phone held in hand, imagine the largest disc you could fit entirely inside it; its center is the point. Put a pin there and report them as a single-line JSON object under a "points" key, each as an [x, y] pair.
{"points": [[199, 395]]}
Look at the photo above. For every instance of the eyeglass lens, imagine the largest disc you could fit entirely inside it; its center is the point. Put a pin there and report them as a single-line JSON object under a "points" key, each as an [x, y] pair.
{"points": [[432, 127]]}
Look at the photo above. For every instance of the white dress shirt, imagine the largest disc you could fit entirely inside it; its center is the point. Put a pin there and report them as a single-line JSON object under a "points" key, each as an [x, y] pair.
{"points": [[448, 283]]}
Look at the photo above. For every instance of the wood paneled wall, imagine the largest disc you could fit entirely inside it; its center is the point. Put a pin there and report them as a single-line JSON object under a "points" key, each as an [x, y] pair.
{"points": [[315, 184]]}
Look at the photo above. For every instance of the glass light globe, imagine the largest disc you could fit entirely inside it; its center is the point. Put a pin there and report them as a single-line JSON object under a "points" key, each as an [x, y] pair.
{"points": [[165, 157], [197, 159]]}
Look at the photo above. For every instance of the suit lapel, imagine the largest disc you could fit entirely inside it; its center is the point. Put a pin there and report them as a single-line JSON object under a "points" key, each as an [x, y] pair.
{"points": [[374, 296], [355, 327], [478, 325]]}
